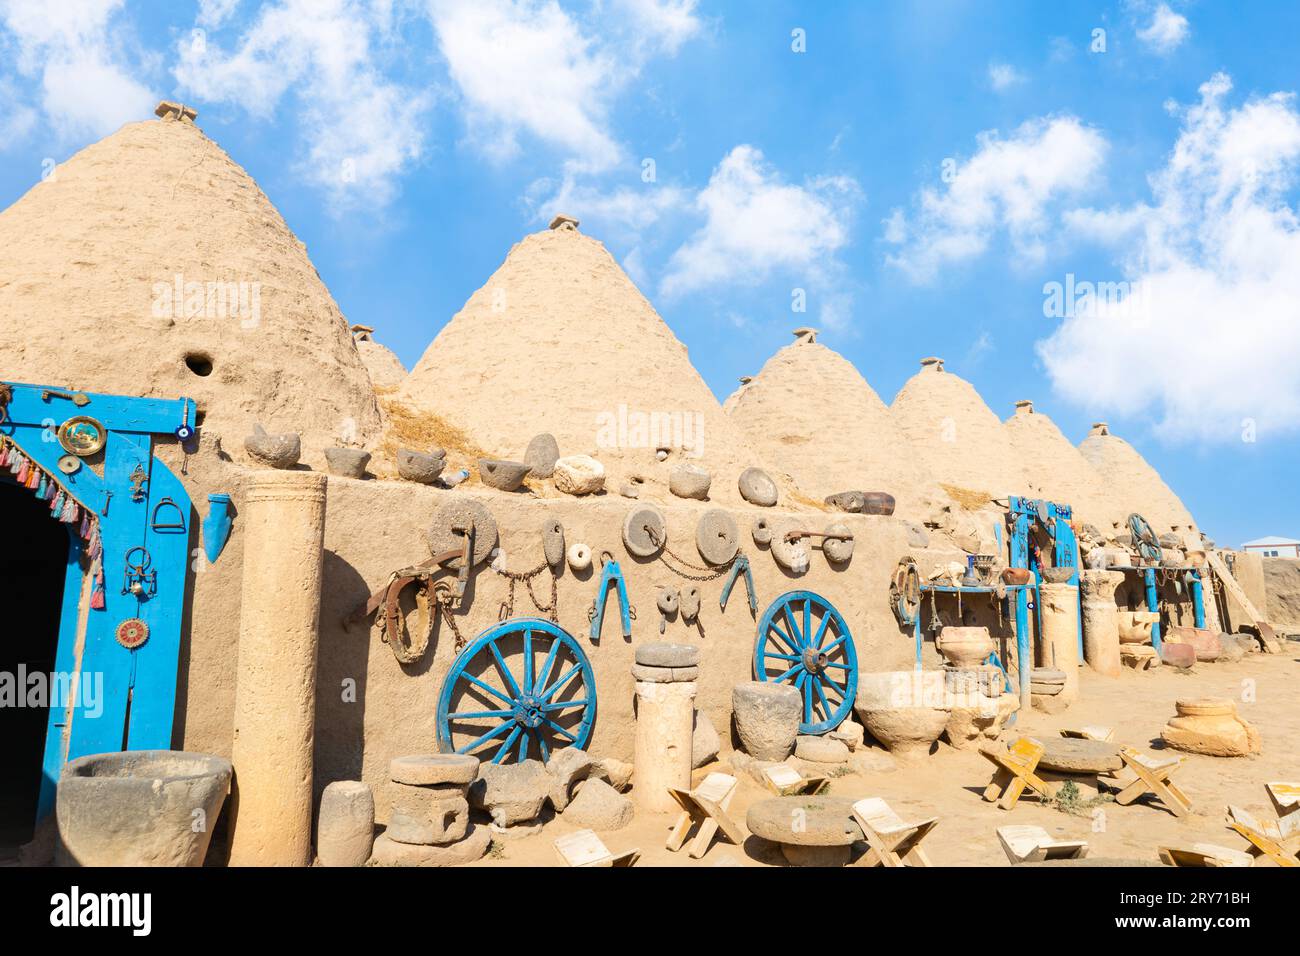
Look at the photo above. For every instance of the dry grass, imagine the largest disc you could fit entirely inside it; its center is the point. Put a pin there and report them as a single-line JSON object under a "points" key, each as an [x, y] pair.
{"points": [[421, 430], [794, 494], [969, 499]]}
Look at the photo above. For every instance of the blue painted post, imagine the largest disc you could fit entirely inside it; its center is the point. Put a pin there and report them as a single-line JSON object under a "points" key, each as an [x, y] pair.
{"points": [[1153, 604], [1024, 654], [1198, 600]]}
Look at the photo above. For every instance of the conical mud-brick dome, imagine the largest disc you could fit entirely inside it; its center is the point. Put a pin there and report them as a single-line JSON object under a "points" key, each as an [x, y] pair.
{"points": [[559, 340], [151, 264], [1055, 468], [811, 414], [1134, 485], [386, 370], [954, 435]]}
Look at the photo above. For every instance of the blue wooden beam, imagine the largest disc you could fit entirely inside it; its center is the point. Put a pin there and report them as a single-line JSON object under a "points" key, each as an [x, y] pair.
{"points": [[34, 404]]}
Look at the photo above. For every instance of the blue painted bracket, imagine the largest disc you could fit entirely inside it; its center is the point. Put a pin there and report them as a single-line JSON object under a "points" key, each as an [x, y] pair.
{"points": [[610, 573]]}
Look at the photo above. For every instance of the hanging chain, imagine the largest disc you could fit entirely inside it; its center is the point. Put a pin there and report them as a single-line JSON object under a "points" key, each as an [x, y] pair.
{"points": [[443, 595], [514, 577], [709, 574]]}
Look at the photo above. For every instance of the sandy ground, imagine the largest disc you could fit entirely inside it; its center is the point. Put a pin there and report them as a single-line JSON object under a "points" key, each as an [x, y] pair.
{"points": [[949, 784]]}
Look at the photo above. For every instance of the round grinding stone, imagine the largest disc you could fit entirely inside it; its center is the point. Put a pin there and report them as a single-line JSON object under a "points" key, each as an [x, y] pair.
{"points": [[838, 550], [460, 513], [664, 654], [639, 541], [717, 537]]}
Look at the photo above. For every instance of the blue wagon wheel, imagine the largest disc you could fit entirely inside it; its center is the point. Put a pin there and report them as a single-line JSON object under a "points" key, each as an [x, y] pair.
{"points": [[804, 640], [521, 689]]}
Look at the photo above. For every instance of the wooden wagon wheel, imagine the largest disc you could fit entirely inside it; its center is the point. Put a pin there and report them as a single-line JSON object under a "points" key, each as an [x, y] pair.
{"points": [[804, 640], [507, 705]]}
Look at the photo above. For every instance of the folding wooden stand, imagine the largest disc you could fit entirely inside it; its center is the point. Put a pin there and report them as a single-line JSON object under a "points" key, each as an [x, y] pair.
{"points": [[891, 840], [584, 848], [1203, 854], [1015, 772], [785, 781], [1090, 733], [1153, 777], [1279, 841], [705, 806], [1033, 844]]}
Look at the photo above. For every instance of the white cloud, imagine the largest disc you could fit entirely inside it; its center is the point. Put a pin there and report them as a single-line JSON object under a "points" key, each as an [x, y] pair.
{"points": [[1003, 76], [756, 224], [213, 13], [528, 67], [360, 129], [1011, 185], [86, 82], [1216, 257], [626, 209], [1166, 31]]}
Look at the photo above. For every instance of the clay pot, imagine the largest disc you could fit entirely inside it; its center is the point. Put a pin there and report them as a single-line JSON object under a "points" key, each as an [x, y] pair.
{"points": [[1135, 626], [905, 710], [1017, 576], [964, 647], [137, 808]]}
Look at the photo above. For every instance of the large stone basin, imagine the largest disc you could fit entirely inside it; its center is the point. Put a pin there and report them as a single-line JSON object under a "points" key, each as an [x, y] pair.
{"points": [[139, 808], [904, 710]]}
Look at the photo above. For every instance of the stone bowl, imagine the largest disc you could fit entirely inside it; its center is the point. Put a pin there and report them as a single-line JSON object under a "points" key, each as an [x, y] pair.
{"points": [[347, 462], [1057, 575], [278, 451], [502, 475], [414, 466], [965, 647], [139, 808], [767, 718], [905, 710]]}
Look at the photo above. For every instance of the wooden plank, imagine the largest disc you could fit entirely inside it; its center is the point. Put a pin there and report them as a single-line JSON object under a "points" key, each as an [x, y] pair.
{"points": [[1233, 587], [582, 848]]}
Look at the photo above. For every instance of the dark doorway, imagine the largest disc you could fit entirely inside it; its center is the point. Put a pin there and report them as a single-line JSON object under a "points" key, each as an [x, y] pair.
{"points": [[33, 563]]}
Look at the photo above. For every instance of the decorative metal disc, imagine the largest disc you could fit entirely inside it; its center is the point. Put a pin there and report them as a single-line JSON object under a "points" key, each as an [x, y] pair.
{"points": [[69, 464], [132, 633], [82, 436]]}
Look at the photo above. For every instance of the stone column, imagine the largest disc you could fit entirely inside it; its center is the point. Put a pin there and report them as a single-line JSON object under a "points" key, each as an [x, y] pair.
{"points": [[665, 723], [1101, 620], [1059, 645], [283, 520]]}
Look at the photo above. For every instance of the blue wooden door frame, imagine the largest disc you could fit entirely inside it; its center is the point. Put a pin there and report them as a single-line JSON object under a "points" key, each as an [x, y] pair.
{"points": [[137, 697], [1025, 512]]}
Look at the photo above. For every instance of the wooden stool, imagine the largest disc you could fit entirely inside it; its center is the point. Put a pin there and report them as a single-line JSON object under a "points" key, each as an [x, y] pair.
{"points": [[892, 841], [706, 806], [783, 780], [1203, 854], [1153, 777], [1280, 841], [1015, 772], [1090, 733], [1032, 844], [584, 848]]}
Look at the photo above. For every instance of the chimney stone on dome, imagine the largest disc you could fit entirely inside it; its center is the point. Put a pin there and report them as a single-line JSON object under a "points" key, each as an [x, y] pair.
{"points": [[803, 334], [1025, 406], [567, 223], [932, 360], [168, 111]]}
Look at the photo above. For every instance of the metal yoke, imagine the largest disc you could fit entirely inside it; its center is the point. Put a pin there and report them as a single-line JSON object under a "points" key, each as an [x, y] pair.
{"points": [[738, 566], [610, 572]]}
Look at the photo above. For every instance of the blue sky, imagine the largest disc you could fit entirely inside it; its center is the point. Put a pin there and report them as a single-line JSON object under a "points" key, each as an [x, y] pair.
{"points": [[923, 171]]}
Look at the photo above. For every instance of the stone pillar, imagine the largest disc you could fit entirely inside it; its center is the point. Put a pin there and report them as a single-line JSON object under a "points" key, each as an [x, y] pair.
{"points": [[665, 725], [1059, 644], [1101, 620], [283, 520]]}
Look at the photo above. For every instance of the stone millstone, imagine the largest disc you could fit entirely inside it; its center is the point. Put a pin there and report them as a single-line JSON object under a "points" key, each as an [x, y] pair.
{"points": [[1078, 755], [820, 749], [664, 675], [805, 821], [644, 531], [553, 542], [791, 555], [502, 475], [461, 512], [690, 481], [664, 654], [542, 454], [599, 806], [666, 601], [762, 531], [717, 537], [345, 832], [389, 852], [838, 549], [423, 770], [757, 487]]}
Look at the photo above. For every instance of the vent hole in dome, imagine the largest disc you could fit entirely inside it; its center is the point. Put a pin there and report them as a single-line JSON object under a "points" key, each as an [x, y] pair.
{"points": [[200, 363]]}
